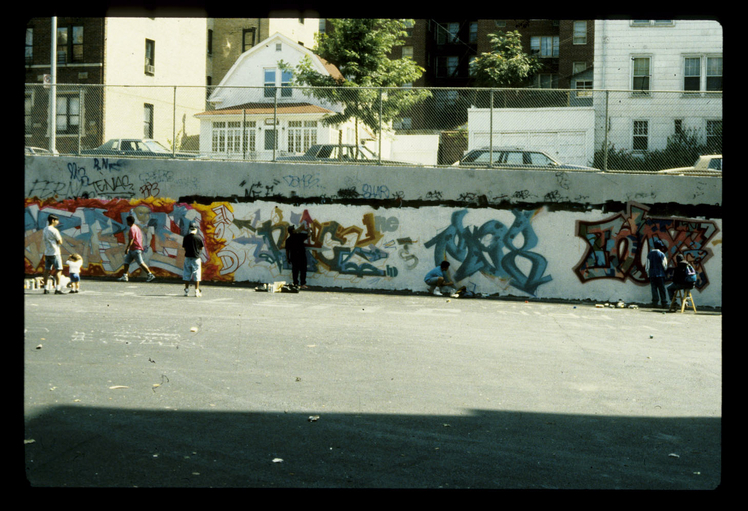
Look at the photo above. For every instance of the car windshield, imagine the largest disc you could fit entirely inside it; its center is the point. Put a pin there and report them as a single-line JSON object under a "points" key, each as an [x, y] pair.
{"points": [[715, 164], [153, 146]]}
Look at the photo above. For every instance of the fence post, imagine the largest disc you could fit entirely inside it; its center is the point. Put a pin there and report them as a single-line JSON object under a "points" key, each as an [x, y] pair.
{"points": [[490, 130], [605, 135], [174, 124], [379, 151]]}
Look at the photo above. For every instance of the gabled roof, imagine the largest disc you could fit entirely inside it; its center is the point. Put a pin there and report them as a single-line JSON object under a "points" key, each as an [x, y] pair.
{"points": [[321, 64]]}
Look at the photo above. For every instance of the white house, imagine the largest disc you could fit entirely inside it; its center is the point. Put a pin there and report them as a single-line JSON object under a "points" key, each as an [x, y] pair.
{"points": [[259, 115], [640, 63]]}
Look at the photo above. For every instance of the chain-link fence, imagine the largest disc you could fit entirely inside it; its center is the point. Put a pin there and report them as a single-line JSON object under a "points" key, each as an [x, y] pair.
{"points": [[606, 130]]}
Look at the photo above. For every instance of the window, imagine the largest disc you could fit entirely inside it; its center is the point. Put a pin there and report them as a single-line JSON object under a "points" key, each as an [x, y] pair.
{"points": [[447, 33], [714, 136], [473, 32], [69, 44], [29, 45], [714, 73], [641, 74], [269, 80], [210, 41], [248, 38], [28, 105], [583, 88], [447, 66], [301, 135], [580, 32], [546, 81], [702, 73], [228, 137], [150, 57], [68, 115], [147, 121], [641, 135], [407, 52], [652, 23], [286, 90], [544, 46]]}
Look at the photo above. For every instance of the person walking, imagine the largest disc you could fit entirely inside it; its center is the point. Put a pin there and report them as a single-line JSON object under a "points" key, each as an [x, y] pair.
{"points": [[192, 245], [656, 269], [52, 254], [296, 255], [134, 251]]}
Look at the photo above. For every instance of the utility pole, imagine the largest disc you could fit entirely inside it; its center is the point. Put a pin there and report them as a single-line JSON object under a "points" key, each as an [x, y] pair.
{"points": [[52, 123]]}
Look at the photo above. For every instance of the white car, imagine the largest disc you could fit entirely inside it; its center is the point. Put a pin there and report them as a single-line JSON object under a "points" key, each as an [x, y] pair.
{"points": [[705, 164]]}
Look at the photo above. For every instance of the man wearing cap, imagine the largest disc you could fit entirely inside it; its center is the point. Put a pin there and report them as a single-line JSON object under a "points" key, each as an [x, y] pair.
{"points": [[192, 245], [52, 254]]}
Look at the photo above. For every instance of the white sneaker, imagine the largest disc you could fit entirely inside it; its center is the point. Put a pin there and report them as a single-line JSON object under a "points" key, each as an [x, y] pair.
{"points": [[186, 292], [198, 293], [437, 292], [124, 278], [150, 277]]}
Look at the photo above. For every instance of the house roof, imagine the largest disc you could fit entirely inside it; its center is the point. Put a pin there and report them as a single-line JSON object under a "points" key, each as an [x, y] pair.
{"points": [[267, 109]]}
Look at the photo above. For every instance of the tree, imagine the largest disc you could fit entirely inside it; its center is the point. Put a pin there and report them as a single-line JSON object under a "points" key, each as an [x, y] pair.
{"points": [[506, 65], [360, 49]]}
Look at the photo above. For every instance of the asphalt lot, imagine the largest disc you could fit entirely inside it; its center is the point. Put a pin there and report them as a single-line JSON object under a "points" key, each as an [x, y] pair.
{"points": [[135, 385]]}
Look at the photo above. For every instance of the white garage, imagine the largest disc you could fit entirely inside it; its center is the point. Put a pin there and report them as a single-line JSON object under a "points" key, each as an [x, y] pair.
{"points": [[567, 134]]}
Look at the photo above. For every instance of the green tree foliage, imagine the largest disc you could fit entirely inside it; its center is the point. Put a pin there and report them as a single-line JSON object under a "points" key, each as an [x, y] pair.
{"points": [[506, 65], [360, 49]]}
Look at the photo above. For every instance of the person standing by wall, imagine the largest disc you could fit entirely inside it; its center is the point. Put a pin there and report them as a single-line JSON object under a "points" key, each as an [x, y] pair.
{"points": [[192, 245], [296, 255], [656, 268], [52, 254], [134, 251], [74, 263]]}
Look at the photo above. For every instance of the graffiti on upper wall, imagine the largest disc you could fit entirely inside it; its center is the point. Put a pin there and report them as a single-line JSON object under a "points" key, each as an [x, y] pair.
{"points": [[492, 250], [618, 246]]}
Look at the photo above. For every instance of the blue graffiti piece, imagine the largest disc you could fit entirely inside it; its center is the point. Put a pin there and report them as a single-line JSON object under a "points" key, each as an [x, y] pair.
{"points": [[491, 250]]}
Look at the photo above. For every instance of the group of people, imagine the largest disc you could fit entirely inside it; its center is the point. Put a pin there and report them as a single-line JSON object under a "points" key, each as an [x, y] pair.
{"points": [[683, 275], [191, 243]]}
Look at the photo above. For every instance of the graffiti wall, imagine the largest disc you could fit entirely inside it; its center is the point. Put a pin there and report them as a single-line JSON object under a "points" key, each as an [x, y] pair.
{"points": [[527, 252]]}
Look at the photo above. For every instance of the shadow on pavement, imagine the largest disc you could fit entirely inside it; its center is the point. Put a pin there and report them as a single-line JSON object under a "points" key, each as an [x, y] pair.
{"points": [[71, 446]]}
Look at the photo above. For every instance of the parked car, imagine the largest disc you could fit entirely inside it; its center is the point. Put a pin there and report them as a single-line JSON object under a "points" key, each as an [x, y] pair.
{"points": [[135, 147], [514, 157], [332, 153], [705, 164], [37, 150]]}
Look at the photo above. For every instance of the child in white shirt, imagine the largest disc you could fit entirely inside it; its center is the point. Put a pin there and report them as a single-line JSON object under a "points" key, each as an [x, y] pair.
{"points": [[74, 263]]}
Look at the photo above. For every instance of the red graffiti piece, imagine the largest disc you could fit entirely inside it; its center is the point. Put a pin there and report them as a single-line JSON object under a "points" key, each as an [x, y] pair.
{"points": [[618, 245]]}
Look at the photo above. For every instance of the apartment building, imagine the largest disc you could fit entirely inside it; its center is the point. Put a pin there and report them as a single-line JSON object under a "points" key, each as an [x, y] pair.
{"points": [[130, 69]]}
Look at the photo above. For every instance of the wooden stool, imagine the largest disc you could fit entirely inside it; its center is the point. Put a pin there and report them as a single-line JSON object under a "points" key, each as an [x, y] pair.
{"points": [[685, 297]]}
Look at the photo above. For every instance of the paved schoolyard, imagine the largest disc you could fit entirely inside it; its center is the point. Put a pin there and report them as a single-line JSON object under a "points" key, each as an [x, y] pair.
{"points": [[133, 384]]}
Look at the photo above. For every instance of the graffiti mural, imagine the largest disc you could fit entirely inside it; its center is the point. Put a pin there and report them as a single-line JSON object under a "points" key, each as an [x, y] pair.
{"points": [[96, 229], [491, 250], [618, 246]]}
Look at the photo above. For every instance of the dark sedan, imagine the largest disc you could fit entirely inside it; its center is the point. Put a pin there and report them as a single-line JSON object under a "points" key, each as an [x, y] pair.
{"points": [[143, 147]]}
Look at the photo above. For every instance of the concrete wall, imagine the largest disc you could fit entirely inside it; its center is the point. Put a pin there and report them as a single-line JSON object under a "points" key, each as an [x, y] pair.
{"points": [[547, 235]]}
